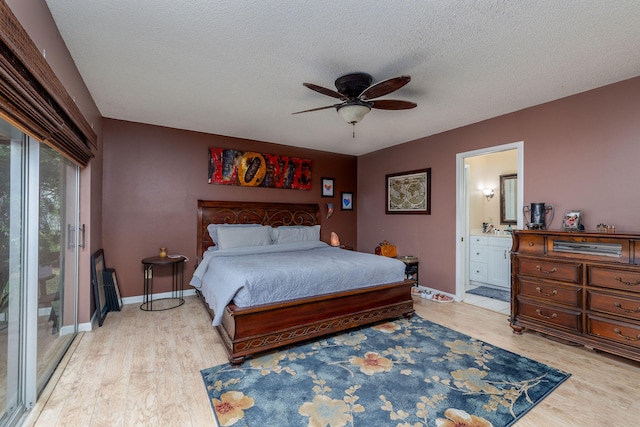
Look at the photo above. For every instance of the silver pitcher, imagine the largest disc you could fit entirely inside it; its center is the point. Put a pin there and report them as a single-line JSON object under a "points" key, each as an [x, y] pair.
{"points": [[538, 215]]}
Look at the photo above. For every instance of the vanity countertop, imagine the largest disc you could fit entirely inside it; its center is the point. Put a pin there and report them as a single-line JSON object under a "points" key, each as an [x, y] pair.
{"points": [[503, 234]]}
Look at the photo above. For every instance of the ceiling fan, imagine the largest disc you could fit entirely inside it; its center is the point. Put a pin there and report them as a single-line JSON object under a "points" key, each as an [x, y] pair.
{"points": [[357, 95]]}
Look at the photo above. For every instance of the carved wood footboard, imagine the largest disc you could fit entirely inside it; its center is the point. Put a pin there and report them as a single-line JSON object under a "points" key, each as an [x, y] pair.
{"points": [[247, 331]]}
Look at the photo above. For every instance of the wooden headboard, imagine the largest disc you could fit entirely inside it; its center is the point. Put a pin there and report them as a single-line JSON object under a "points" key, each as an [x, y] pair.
{"points": [[265, 213]]}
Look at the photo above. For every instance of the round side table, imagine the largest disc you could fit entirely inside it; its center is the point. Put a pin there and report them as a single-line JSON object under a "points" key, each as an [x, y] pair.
{"points": [[177, 283]]}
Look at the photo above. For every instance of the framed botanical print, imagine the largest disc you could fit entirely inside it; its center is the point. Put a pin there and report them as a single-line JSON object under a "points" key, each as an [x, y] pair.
{"points": [[409, 192]]}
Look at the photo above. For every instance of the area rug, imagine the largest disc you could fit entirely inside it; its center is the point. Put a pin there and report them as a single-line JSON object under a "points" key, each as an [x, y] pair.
{"points": [[485, 291], [401, 373]]}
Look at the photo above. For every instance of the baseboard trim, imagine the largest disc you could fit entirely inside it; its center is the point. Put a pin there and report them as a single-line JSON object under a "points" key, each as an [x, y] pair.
{"points": [[139, 299]]}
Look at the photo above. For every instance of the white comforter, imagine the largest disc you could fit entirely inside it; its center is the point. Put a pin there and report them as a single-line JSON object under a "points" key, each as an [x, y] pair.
{"points": [[266, 274]]}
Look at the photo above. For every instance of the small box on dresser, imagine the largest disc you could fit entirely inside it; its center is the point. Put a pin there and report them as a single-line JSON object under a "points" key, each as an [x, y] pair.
{"points": [[579, 286]]}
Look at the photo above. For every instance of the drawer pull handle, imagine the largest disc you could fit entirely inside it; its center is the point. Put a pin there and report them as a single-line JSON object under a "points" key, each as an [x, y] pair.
{"points": [[619, 306], [553, 270], [617, 331], [619, 279], [553, 316], [555, 292], [530, 243]]}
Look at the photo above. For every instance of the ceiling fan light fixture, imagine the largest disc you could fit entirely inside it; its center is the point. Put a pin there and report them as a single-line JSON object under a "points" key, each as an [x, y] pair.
{"points": [[353, 112]]}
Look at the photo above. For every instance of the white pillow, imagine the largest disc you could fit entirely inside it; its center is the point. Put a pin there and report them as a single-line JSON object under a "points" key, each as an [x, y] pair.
{"points": [[295, 233], [234, 237], [213, 231]]}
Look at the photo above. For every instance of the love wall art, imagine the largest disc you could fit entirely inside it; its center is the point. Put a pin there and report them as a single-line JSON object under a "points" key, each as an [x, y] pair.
{"points": [[252, 169]]}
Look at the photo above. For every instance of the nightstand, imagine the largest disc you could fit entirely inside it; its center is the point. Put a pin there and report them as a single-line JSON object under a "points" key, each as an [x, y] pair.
{"points": [[411, 267], [177, 275]]}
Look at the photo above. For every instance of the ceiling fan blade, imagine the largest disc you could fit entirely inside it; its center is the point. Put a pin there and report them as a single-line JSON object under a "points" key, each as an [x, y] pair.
{"points": [[390, 104], [384, 87], [317, 109], [325, 91]]}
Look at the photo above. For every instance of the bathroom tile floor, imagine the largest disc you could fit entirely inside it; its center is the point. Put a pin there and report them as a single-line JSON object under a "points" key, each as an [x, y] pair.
{"points": [[488, 303]]}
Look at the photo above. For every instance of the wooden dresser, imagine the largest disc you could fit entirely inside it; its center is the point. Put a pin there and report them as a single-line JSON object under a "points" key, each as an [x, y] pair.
{"points": [[579, 286]]}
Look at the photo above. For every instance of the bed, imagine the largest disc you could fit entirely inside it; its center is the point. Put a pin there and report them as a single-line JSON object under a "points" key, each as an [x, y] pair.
{"points": [[248, 330]]}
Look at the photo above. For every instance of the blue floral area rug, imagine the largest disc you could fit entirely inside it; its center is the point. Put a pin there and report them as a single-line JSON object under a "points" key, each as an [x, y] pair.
{"points": [[488, 292], [402, 373]]}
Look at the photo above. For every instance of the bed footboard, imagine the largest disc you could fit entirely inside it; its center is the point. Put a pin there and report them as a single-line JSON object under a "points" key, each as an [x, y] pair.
{"points": [[247, 331]]}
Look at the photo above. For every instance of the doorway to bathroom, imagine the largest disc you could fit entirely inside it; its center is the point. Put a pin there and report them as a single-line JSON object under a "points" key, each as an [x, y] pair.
{"points": [[489, 205]]}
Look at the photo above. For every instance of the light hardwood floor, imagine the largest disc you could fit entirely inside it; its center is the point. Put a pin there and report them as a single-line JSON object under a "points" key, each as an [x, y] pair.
{"points": [[143, 368]]}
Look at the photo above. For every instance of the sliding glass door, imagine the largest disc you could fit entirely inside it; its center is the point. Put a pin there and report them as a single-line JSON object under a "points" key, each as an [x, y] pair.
{"points": [[56, 259], [12, 191], [38, 267]]}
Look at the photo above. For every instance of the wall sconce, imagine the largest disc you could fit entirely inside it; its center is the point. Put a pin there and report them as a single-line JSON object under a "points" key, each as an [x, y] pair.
{"points": [[329, 210], [488, 193]]}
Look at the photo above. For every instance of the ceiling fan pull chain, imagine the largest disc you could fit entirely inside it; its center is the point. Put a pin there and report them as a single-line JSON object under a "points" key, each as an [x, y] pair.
{"points": [[354, 129]]}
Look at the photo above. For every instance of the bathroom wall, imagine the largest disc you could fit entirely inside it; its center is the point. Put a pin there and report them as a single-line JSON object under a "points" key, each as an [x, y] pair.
{"points": [[484, 172]]}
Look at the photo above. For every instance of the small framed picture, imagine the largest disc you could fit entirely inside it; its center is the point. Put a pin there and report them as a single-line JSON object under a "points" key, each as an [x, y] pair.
{"points": [[346, 201], [118, 299], [571, 220], [97, 280], [328, 187], [112, 290]]}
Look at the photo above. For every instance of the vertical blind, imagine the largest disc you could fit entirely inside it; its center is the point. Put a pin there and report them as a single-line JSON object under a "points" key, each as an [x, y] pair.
{"points": [[33, 99]]}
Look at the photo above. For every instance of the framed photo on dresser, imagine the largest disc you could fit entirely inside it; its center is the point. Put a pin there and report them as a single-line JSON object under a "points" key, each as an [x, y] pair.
{"points": [[571, 220]]}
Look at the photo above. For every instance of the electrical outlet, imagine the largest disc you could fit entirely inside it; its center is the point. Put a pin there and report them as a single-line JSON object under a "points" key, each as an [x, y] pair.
{"points": [[148, 273]]}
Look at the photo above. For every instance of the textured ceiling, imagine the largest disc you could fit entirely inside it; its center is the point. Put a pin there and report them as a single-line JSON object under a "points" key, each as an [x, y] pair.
{"points": [[236, 67]]}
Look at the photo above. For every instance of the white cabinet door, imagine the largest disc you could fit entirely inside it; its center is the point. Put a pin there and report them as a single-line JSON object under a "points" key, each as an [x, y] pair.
{"points": [[499, 265]]}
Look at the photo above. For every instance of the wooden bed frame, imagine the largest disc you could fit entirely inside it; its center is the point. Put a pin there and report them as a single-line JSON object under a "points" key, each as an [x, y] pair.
{"points": [[250, 330]]}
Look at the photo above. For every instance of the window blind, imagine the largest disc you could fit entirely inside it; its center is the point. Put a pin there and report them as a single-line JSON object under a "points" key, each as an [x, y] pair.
{"points": [[33, 99]]}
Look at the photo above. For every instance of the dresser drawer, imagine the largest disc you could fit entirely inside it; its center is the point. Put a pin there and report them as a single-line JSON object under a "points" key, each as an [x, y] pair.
{"points": [[567, 272], [531, 244], [612, 278], [614, 304], [549, 291], [621, 332], [549, 314]]}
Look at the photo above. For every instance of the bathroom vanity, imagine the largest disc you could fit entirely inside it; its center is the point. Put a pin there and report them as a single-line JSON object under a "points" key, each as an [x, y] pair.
{"points": [[489, 260]]}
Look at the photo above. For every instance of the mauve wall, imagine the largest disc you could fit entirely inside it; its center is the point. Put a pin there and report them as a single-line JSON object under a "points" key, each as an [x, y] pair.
{"points": [[580, 152], [153, 177]]}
